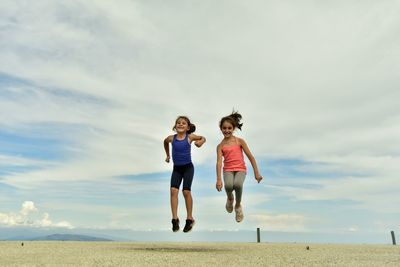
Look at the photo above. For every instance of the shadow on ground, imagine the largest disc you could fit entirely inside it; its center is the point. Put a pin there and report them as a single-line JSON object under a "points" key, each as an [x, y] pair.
{"points": [[178, 249]]}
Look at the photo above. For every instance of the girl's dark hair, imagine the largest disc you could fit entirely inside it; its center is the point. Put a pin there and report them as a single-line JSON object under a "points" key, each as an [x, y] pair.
{"points": [[233, 119], [192, 127]]}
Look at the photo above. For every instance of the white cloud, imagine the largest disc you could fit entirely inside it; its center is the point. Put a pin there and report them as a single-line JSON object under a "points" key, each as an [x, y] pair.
{"points": [[280, 222], [26, 217], [28, 207], [7, 161], [46, 222], [354, 228], [374, 194]]}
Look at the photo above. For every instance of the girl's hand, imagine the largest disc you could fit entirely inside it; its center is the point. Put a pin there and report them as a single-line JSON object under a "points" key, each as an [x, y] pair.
{"points": [[258, 178], [219, 186], [167, 159], [200, 142]]}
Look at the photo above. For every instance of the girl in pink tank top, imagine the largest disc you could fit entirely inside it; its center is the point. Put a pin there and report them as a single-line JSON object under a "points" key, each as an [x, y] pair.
{"points": [[230, 159], [233, 157]]}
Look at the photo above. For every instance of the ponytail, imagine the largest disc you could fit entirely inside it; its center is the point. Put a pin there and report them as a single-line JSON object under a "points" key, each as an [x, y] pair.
{"points": [[192, 128]]}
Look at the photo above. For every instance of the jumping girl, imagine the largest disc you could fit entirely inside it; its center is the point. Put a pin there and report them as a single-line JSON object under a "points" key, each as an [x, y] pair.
{"points": [[231, 151], [183, 169]]}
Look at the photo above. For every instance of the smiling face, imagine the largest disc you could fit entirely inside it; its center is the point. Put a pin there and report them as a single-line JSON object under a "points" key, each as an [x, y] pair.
{"points": [[227, 129], [181, 125]]}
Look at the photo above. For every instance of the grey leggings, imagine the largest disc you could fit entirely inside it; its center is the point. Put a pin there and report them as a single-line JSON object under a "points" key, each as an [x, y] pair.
{"points": [[234, 181]]}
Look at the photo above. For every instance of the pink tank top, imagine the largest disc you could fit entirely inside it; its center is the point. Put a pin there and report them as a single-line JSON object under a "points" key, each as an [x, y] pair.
{"points": [[233, 158]]}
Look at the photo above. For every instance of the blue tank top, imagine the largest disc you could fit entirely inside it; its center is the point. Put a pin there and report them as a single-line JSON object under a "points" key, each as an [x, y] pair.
{"points": [[181, 151]]}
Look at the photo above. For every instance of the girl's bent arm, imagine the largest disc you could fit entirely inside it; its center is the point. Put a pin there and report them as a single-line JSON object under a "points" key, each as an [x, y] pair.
{"points": [[199, 140], [251, 159], [166, 147]]}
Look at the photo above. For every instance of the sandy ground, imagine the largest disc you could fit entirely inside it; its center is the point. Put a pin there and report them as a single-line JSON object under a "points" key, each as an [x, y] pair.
{"points": [[54, 253]]}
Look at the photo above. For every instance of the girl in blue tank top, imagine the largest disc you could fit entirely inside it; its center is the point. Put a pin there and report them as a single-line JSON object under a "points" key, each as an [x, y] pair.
{"points": [[183, 169], [181, 151]]}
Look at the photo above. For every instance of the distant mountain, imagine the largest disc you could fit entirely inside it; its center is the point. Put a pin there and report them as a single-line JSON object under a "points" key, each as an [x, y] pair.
{"points": [[69, 237]]}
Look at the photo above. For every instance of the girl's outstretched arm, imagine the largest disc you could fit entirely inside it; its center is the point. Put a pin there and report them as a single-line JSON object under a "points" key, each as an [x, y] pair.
{"points": [[250, 156], [218, 185], [199, 140], [166, 146]]}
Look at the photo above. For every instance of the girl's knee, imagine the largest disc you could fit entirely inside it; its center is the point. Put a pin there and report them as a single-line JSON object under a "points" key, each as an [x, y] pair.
{"points": [[229, 187], [237, 186], [174, 191], [186, 193]]}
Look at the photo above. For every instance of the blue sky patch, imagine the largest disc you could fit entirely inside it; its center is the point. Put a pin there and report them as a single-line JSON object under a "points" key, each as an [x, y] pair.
{"points": [[41, 148], [15, 88]]}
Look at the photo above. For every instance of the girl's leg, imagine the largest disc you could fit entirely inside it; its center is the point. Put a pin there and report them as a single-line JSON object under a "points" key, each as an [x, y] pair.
{"points": [[174, 202], [238, 187], [187, 186], [189, 203], [238, 181], [189, 207], [176, 179], [228, 181]]}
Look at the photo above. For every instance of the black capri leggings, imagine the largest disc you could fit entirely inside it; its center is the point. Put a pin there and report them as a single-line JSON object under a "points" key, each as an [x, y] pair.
{"points": [[185, 173]]}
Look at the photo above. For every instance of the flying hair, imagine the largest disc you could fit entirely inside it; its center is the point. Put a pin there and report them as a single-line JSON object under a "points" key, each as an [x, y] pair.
{"points": [[234, 119]]}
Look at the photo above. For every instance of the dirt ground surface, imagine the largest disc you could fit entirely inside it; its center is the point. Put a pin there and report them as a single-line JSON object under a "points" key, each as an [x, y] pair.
{"points": [[65, 253]]}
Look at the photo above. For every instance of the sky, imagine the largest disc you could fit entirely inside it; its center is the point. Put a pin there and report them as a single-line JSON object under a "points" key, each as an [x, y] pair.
{"points": [[89, 91]]}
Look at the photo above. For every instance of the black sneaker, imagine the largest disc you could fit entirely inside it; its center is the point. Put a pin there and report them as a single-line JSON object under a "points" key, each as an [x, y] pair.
{"points": [[175, 225], [188, 226]]}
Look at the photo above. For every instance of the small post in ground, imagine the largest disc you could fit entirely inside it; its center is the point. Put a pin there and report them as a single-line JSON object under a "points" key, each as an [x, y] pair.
{"points": [[258, 235], [393, 237]]}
